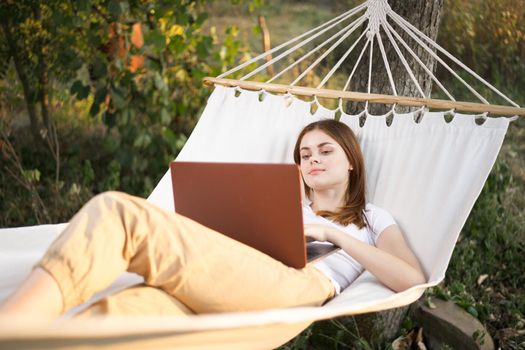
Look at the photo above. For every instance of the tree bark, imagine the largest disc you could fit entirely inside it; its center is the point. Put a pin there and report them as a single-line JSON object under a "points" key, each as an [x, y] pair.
{"points": [[425, 15], [42, 73], [266, 45], [29, 94]]}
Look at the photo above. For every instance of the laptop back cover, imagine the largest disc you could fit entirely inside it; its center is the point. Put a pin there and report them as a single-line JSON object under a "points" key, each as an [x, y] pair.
{"points": [[256, 204]]}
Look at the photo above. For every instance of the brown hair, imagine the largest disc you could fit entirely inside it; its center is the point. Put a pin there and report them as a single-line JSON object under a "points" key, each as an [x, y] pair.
{"points": [[352, 211]]}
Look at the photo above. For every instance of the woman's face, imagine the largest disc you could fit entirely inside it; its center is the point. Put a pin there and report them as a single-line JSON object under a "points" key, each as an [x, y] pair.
{"points": [[324, 164]]}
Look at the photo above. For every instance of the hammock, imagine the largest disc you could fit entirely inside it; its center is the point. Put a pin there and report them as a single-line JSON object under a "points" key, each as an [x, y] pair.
{"points": [[425, 170]]}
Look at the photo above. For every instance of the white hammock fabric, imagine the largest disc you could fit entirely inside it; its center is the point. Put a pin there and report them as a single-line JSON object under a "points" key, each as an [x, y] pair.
{"points": [[427, 174]]}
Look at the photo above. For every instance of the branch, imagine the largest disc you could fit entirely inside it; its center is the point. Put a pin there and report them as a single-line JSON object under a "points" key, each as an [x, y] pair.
{"points": [[101, 14], [13, 175]]}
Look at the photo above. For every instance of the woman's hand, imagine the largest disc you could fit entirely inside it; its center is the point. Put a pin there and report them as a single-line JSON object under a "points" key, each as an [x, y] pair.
{"points": [[391, 261], [316, 232]]}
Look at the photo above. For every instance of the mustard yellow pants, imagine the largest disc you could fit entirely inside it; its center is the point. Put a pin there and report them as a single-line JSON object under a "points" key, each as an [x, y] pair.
{"points": [[187, 267]]}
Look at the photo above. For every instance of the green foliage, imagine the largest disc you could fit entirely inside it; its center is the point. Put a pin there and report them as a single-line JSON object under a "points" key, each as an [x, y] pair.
{"points": [[155, 107], [485, 275], [332, 334], [144, 85], [488, 36]]}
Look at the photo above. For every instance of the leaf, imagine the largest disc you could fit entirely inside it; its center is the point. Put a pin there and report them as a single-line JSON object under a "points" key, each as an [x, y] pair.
{"points": [[88, 174], [165, 117], [129, 114], [430, 304], [114, 8], [82, 5], [182, 75], [142, 141], [202, 50], [159, 82], [201, 18], [118, 99], [182, 18], [74, 190], [76, 63], [31, 176], [197, 74], [80, 90], [169, 136], [181, 141], [256, 30], [93, 38], [472, 310], [124, 6], [482, 278], [98, 68], [110, 119], [93, 111], [178, 45], [156, 39], [100, 95], [176, 30]]}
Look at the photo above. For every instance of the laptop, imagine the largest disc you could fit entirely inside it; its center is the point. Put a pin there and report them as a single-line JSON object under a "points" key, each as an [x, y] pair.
{"points": [[256, 204]]}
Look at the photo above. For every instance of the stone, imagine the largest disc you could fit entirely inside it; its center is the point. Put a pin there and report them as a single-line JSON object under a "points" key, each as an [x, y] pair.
{"points": [[446, 324]]}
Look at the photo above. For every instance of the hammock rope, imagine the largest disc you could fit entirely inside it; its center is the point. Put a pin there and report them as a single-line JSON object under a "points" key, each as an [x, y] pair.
{"points": [[294, 48], [338, 19], [347, 85], [387, 66], [308, 54], [357, 22], [389, 31], [451, 57], [378, 17], [353, 26], [340, 62], [446, 66]]}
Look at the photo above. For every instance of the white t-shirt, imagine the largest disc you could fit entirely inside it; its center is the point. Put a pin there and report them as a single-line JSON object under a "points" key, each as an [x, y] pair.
{"points": [[340, 267]]}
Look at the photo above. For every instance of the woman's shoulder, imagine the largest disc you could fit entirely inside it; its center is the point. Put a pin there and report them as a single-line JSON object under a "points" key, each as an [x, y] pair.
{"points": [[378, 218], [371, 208]]}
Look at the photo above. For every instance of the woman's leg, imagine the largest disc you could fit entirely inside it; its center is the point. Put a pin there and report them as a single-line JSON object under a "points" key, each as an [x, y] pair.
{"points": [[203, 269], [38, 293], [138, 300]]}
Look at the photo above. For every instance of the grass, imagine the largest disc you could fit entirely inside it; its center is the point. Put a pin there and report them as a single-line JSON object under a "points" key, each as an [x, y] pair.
{"points": [[306, 15]]}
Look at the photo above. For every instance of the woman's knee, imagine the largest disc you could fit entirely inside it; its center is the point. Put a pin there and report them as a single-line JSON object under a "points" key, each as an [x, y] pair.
{"points": [[110, 195], [107, 198]]}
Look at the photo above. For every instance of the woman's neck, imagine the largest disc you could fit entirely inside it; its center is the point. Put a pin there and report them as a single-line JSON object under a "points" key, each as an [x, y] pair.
{"points": [[329, 200]]}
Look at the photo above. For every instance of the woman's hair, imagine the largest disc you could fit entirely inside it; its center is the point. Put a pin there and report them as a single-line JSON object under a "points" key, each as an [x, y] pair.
{"points": [[352, 211]]}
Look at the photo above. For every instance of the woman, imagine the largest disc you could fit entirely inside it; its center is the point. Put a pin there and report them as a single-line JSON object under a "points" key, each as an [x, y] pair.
{"points": [[189, 268]]}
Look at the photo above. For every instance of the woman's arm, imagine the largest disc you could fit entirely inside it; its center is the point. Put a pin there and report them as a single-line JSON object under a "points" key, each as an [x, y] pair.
{"points": [[391, 262]]}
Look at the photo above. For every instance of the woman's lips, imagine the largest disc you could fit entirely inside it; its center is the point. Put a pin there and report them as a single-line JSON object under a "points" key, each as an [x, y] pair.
{"points": [[315, 171]]}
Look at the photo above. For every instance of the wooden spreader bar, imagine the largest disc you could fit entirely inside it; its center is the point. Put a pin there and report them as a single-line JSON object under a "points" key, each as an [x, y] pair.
{"points": [[468, 107]]}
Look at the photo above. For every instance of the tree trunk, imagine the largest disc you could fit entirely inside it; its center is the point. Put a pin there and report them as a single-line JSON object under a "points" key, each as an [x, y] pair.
{"points": [[42, 73], [29, 94], [266, 45], [425, 15]]}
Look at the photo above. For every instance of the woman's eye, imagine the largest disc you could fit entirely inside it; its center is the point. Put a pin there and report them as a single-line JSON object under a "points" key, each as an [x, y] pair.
{"points": [[305, 156], [326, 152]]}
